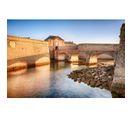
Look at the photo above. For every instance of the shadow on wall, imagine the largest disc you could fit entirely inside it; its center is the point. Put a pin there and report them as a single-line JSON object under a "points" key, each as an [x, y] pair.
{"points": [[27, 62]]}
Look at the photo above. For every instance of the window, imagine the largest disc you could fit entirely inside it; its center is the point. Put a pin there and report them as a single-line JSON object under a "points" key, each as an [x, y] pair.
{"points": [[12, 44]]}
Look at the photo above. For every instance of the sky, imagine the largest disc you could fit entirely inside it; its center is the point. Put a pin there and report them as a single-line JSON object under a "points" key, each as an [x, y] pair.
{"points": [[78, 31]]}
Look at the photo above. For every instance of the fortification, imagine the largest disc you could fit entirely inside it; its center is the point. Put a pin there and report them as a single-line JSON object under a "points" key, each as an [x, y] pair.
{"points": [[59, 49], [23, 52], [118, 84]]}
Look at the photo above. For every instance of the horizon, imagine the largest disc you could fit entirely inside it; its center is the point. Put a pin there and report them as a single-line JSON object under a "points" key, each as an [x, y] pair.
{"points": [[77, 31]]}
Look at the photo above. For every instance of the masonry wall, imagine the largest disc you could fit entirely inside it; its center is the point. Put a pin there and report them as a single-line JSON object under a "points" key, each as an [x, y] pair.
{"points": [[25, 52], [100, 47], [68, 51], [60, 50], [53, 43], [85, 49], [118, 84]]}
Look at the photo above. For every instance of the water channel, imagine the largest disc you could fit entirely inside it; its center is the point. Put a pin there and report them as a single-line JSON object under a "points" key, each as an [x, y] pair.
{"points": [[50, 81]]}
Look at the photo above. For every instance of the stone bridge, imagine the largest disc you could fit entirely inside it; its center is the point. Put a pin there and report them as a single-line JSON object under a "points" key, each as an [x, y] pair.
{"points": [[24, 52], [99, 55], [86, 51]]}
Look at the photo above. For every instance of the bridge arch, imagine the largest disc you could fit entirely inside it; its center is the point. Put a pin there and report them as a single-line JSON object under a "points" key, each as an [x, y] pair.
{"points": [[106, 58], [93, 58]]}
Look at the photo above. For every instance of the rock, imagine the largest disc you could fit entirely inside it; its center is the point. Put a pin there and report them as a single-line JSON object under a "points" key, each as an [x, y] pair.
{"points": [[83, 79], [79, 80], [100, 87], [110, 77], [96, 77], [88, 82], [94, 74], [92, 82], [98, 83], [104, 85], [75, 80], [103, 73], [100, 76], [104, 80]]}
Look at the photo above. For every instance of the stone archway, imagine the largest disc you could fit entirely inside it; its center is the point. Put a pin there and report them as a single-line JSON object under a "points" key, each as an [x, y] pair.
{"points": [[106, 58], [56, 52], [93, 58]]}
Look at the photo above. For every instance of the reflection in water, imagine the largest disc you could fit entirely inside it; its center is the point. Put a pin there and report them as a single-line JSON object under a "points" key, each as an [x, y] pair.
{"points": [[51, 81], [74, 66], [28, 83], [18, 72]]}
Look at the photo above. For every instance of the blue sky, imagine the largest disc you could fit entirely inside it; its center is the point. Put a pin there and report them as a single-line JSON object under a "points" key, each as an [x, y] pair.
{"points": [[78, 31]]}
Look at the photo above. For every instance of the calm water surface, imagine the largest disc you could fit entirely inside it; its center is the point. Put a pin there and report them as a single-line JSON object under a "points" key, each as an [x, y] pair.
{"points": [[51, 81]]}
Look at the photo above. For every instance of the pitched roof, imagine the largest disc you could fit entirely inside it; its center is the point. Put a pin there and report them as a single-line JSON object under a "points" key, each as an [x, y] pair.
{"points": [[53, 38]]}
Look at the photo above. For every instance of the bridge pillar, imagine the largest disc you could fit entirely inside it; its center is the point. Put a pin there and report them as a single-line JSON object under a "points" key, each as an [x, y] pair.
{"points": [[74, 58], [92, 59], [87, 59]]}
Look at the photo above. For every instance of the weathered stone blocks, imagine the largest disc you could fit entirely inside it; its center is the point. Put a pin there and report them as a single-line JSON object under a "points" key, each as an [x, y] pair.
{"points": [[118, 84], [25, 52]]}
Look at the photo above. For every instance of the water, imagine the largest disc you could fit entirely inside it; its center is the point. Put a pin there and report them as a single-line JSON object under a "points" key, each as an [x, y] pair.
{"points": [[51, 81]]}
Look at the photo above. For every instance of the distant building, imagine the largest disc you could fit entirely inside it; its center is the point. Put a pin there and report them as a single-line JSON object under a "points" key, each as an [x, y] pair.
{"points": [[58, 47], [55, 41]]}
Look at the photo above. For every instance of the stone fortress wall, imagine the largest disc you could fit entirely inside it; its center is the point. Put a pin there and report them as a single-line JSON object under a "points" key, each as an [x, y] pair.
{"points": [[118, 84], [23, 52]]}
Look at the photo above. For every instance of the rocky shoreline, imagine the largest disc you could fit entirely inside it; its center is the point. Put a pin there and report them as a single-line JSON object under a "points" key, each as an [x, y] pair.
{"points": [[100, 76]]}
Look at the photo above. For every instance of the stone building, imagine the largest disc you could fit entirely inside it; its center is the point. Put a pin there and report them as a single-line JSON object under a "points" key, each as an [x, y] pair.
{"points": [[55, 42], [59, 49]]}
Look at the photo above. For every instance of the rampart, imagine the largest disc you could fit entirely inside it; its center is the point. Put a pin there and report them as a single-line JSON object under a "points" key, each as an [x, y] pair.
{"points": [[23, 52]]}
